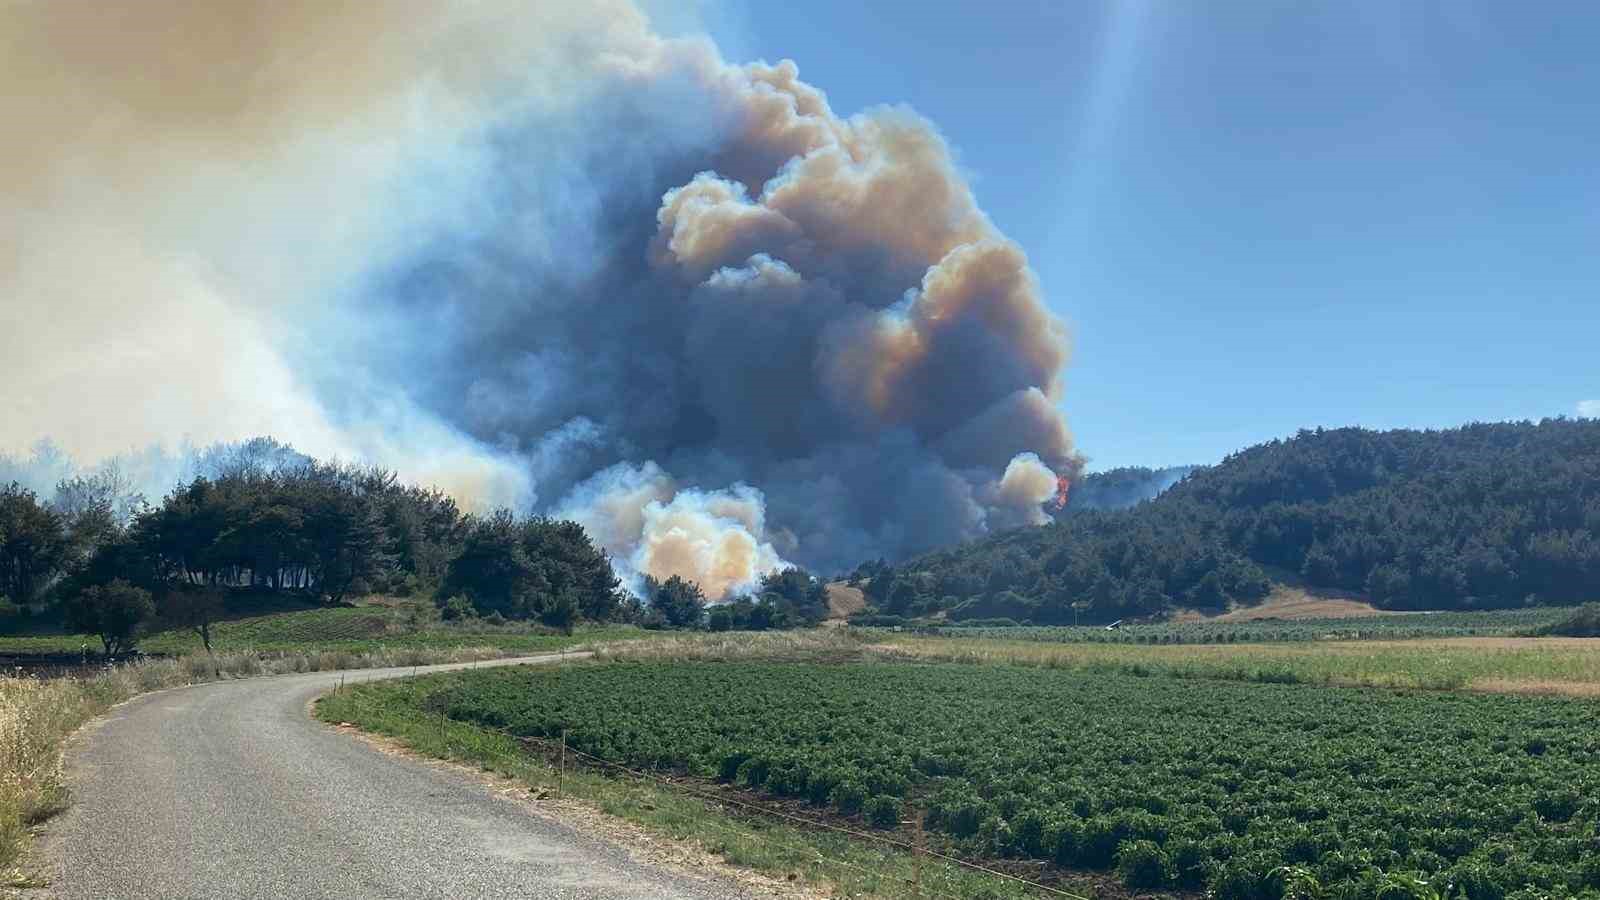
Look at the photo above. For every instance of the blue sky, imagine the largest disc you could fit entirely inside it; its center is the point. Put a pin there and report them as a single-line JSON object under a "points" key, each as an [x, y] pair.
{"points": [[1262, 216]]}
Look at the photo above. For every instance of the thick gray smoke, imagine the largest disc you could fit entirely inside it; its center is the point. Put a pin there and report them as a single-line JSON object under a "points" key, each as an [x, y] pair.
{"points": [[533, 255]]}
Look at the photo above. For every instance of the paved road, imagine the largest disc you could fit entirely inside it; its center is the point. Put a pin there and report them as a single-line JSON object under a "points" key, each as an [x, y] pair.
{"points": [[230, 790]]}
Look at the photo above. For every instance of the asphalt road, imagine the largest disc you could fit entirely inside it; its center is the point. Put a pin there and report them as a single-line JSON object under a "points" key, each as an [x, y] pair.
{"points": [[230, 790]]}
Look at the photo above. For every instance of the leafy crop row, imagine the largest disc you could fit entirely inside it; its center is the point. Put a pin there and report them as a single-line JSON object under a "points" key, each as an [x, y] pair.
{"points": [[1248, 790]]}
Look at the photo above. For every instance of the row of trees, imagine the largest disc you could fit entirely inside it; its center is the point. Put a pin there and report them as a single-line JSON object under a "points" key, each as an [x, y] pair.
{"points": [[787, 598], [1484, 516], [279, 523]]}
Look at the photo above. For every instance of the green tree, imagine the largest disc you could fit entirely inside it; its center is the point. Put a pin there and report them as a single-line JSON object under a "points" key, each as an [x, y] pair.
{"points": [[112, 611], [192, 608], [34, 543], [679, 602], [559, 610]]}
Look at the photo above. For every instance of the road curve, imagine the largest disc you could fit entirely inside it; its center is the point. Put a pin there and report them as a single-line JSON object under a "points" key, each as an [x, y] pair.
{"points": [[230, 790]]}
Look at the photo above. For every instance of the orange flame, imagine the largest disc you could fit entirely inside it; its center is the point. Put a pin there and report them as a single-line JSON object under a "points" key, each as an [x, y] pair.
{"points": [[1063, 487]]}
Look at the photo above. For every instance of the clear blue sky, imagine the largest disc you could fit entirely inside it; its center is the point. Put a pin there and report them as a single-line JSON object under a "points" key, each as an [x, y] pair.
{"points": [[1261, 216]]}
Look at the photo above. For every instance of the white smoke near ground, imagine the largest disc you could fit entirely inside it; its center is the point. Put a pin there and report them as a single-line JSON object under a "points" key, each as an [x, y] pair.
{"points": [[535, 254], [1589, 409]]}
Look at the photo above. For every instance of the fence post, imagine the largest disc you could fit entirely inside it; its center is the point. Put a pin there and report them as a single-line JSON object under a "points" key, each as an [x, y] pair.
{"points": [[916, 853], [561, 787]]}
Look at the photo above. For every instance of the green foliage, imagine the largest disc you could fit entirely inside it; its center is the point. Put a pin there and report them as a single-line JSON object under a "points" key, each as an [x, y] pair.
{"points": [[680, 603], [1143, 865], [534, 567], [1583, 622], [265, 519], [1486, 516], [34, 543], [882, 811], [112, 611], [1246, 790], [788, 598], [195, 608]]}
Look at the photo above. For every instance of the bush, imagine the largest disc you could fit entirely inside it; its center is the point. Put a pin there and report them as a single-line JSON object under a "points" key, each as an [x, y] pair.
{"points": [[878, 621], [1143, 864], [1188, 861], [457, 609], [848, 797], [883, 811], [1061, 838]]}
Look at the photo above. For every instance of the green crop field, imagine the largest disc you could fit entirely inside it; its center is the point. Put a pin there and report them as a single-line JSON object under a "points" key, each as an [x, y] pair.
{"points": [[1245, 790]]}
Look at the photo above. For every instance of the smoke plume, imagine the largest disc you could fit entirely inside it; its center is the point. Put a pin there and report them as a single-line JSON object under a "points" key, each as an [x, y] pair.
{"points": [[533, 253]]}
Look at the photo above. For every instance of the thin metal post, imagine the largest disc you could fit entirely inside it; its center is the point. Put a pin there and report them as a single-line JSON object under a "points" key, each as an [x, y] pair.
{"points": [[562, 785]]}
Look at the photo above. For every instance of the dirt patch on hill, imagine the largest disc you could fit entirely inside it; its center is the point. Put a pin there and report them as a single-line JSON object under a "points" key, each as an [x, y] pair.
{"points": [[843, 600], [1289, 603]]}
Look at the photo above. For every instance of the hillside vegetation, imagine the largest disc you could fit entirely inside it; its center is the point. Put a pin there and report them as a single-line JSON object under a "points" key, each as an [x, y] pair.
{"points": [[1485, 516]]}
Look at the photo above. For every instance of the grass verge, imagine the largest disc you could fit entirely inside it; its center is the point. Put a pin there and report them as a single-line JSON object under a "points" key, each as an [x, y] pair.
{"points": [[293, 627], [834, 864]]}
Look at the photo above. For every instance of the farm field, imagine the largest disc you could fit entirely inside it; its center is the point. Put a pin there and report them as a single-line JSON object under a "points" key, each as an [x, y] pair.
{"points": [[1229, 630], [1245, 790], [1569, 666]]}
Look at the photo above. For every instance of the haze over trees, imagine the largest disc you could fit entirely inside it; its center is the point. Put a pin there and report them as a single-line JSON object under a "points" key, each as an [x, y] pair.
{"points": [[264, 519], [1485, 516]]}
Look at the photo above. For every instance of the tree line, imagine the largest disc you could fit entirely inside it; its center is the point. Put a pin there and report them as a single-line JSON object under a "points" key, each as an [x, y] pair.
{"points": [[1484, 516], [279, 523]]}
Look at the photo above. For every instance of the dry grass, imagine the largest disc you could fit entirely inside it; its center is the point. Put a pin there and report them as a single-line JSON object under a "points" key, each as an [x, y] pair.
{"points": [[843, 600], [1536, 687], [1468, 663], [807, 644], [1289, 603]]}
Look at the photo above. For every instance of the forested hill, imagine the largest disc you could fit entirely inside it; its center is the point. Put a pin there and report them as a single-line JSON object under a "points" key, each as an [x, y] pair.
{"points": [[1123, 487], [1483, 516]]}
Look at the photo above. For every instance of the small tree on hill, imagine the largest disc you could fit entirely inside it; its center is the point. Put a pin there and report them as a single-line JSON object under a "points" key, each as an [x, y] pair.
{"points": [[113, 611]]}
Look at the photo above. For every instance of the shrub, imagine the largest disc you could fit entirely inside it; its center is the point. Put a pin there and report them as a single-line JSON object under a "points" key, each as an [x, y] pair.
{"points": [[1061, 838], [883, 811], [847, 797], [753, 771], [457, 609], [1188, 861], [1143, 864]]}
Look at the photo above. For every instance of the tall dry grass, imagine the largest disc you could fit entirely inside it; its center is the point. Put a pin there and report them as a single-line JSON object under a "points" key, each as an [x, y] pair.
{"points": [[799, 644]]}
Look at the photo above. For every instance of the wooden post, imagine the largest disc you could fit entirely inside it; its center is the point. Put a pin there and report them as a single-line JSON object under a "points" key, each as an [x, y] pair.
{"points": [[562, 784], [916, 854]]}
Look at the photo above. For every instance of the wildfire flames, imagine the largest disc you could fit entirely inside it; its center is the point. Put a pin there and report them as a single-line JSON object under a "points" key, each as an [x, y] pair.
{"points": [[1063, 487]]}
